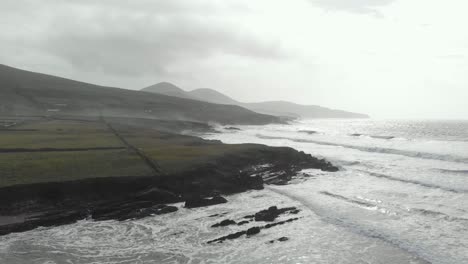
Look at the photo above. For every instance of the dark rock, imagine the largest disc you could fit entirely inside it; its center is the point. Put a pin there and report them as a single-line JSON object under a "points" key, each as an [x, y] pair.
{"points": [[49, 219], [243, 223], [280, 223], [253, 231], [224, 223], [267, 215], [232, 128], [216, 215], [383, 137], [144, 212], [200, 202], [281, 239], [296, 211], [273, 212], [310, 132], [230, 236]]}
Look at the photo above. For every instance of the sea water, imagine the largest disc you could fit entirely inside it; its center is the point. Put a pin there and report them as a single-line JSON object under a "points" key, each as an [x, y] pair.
{"points": [[401, 196]]}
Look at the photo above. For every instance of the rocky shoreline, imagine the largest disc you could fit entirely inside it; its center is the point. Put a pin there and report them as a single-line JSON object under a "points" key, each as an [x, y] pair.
{"points": [[25, 207]]}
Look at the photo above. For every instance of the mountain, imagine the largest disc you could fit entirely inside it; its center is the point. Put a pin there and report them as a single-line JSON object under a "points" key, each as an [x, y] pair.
{"points": [[277, 108], [167, 89], [212, 96], [289, 109], [29, 93]]}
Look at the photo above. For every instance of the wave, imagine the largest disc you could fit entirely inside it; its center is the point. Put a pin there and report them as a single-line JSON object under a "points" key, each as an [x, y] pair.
{"points": [[437, 214], [423, 212], [372, 136], [407, 153], [355, 227], [453, 171], [340, 197], [423, 184]]}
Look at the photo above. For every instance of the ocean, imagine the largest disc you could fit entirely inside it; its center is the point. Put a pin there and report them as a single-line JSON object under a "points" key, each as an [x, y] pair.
{"points": [[401, 196]]}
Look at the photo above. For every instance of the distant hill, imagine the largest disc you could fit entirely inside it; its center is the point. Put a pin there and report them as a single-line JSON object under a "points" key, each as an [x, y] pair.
{"points": [[305, 111], [277, 108], [167, 89], [28, 93], [212, 96]]}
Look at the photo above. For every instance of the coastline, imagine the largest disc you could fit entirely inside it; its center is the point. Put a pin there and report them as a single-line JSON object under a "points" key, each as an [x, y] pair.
{"points": [[131, 197]]}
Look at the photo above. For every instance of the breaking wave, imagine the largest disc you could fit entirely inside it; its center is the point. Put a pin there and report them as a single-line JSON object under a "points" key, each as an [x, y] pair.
{"points": [[407, 153]]}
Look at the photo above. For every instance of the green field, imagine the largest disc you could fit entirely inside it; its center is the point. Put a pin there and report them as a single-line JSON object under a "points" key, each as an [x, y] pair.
{"points": [[58, 134], [26, 167], [171, 152]]}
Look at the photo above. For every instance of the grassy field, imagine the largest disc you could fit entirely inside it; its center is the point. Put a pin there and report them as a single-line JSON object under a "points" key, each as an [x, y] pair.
{"points": [[27, 168], [58, 134], [171, 152], [176, 153], [34, 167]]}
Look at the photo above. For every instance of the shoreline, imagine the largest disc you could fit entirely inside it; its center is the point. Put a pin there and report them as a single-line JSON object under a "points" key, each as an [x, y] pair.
{"points": [[131, 197]]}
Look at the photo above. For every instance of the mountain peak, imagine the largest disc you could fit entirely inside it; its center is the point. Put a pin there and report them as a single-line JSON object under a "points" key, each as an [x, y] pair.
{"points": [[212, 96], [167, 88]]}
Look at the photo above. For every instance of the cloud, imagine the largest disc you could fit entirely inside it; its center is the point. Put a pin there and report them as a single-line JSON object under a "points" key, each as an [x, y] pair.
{"points": [[136, 37], [356, 6]]}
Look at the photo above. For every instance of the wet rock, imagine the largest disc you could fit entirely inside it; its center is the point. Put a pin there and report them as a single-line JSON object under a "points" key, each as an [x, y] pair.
{"points": [[144, 212], [310, 132], [253, 231], [280, 223], [217, 215], [295, 211], [273, 212], [200, 202], [224, 223], [230, 236], [243, 223], [281, 239]]}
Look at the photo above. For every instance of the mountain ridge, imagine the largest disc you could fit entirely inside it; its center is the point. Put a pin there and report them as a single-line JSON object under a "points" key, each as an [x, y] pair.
{"points": [[29, 93], [277, 108]]}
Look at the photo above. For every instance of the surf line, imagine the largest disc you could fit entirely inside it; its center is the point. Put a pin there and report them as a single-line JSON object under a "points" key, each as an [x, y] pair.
{"points": [[340, 222], [388, 151], [423, 184]]}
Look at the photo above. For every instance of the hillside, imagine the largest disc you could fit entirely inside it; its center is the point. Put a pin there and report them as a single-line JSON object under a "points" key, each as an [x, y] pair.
{"points": [[56, 171], [168, 89], [28, 93], [212, 96], [277, 108], [304, 111]]}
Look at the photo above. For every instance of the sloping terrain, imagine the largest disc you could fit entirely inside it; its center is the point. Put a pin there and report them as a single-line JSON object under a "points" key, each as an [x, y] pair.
{"points": [[57, 171], [276, 108], [212, 96], [28, 93]]}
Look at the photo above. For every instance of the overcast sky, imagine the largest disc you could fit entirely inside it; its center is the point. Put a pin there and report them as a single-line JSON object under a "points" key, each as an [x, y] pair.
{"points": [[386, 58]]}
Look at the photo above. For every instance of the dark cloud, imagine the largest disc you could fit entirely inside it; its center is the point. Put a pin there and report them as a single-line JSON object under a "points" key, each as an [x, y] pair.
{"points": [[132, 37], [357, 6]]}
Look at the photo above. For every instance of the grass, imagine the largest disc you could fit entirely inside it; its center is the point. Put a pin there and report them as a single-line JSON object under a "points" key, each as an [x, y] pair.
{"points": [[27, 168], [59, 134], [173, 153], [176, 153]]}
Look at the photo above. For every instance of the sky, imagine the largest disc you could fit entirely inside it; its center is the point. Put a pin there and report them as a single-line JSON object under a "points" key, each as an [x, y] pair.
{"points": [[386, 58]]}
